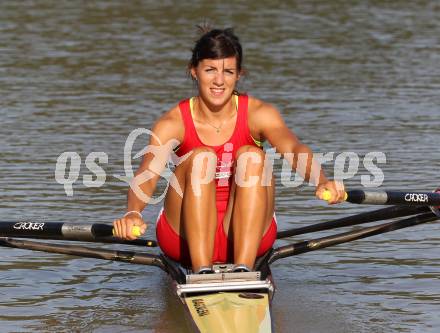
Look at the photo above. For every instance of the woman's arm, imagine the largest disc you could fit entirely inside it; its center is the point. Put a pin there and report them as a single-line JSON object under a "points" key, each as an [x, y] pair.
{"points": [[167, 131], [266, 122]]}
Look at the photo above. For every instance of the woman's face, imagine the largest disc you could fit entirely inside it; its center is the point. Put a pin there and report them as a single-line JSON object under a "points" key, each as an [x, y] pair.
{"points": [[216, 79]]}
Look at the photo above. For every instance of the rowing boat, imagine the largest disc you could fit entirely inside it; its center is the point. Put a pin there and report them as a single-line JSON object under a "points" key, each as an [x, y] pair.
{"points": [[223, 301], [226, 301]]}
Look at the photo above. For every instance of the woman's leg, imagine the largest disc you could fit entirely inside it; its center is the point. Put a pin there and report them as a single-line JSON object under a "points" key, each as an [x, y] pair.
{"points": [[251, 204], [193, 216]]}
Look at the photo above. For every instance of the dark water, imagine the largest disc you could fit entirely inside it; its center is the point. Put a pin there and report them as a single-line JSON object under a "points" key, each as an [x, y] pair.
{"points": [[80, 76]]}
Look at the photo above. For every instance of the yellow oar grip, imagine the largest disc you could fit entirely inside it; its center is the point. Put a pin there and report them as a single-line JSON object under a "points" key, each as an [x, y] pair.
{"points": [[327, 195], [135, 231]]}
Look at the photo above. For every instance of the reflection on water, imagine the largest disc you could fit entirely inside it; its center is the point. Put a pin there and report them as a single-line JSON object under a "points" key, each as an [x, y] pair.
{"points": [[347, 77]]}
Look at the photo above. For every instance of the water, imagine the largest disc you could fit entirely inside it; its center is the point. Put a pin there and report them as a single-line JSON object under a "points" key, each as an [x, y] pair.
{"points": [[347, 77]]}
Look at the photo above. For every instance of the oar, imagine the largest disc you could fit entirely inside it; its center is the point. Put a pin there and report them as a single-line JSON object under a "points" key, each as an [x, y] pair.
{"points": [[88, 252], [320, 243], [390, 197], [96, 232], [377, 215]]}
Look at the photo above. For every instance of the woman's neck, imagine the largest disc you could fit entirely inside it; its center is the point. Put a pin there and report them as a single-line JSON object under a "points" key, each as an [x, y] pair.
{"points": [[214, 112]]}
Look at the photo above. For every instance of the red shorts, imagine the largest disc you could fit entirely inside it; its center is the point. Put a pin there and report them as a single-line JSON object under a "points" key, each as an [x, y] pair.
{"points": [[176, 247]]}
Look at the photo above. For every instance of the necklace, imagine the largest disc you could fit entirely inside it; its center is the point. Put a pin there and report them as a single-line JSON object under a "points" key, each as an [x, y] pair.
{"points": [[218, 128]]}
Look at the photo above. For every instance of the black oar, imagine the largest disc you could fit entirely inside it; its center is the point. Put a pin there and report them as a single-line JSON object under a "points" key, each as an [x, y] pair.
{"points": [[88, 252], [96, 232], [377, 215], [319, 243], [409, 198]]}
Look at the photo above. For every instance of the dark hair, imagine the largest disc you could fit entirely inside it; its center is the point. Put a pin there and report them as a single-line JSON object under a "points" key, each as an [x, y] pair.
{"points": [[216, 44]]}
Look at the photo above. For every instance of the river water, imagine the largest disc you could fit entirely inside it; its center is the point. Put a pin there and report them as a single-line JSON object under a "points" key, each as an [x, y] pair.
{"points": [[347, 77]]}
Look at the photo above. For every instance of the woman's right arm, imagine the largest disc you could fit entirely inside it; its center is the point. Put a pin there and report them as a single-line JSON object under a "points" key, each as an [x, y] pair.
{"points": [[167, 130]]}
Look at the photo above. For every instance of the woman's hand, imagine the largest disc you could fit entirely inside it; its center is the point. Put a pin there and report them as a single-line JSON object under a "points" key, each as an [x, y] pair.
{"points": [[335, 188], [123, 227]]}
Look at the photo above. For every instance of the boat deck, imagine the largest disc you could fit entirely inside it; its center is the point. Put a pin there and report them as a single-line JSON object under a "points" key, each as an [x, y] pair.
{"points": [[224, 280]]}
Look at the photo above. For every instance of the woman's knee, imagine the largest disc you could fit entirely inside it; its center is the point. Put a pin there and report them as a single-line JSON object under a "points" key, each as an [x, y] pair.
{"points": [[199, 160], [249, 163], [249, 149], [202, 164], [197, 171]]}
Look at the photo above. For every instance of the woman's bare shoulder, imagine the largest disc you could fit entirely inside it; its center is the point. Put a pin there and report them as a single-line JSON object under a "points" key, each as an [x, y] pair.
{"points": [[170, 125], [261, 111]]}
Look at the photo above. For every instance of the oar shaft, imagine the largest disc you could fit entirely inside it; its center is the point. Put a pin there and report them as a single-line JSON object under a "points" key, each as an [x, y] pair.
{"points": [[393, 198], [88, 252], [381, 214], [320, 243], [77, 231], [96, 232]]}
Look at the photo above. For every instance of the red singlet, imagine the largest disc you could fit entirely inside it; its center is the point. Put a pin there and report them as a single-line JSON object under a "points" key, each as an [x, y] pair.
{"points": [[173, 245]]}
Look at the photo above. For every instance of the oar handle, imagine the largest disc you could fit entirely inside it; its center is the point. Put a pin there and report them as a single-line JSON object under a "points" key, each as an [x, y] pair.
{"points": [[389, 198], [327, 195], [68, 231], [135, 231]]}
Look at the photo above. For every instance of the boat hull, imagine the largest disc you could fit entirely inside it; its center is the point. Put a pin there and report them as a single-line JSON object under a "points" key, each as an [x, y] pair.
{"points": [[224, 301], [230, 312]]}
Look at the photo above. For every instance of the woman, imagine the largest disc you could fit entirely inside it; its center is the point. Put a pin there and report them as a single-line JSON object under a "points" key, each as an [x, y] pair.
{"points": [[229, 217]]}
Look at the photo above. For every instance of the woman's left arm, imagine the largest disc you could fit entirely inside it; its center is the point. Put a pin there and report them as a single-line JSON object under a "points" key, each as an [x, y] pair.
{"points": [[267, 122]]}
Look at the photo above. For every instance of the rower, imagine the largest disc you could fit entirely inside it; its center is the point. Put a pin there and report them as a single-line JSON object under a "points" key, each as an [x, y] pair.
{"points": [[221, 205]]}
